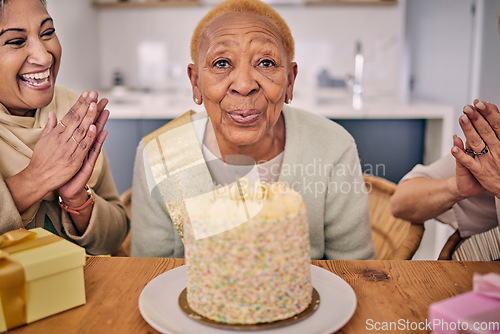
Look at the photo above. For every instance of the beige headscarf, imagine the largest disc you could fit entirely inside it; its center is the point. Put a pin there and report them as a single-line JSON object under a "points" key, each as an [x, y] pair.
{"points": [[18, 136]]}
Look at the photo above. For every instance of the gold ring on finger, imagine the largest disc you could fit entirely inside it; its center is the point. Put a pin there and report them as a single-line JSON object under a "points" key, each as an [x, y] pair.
{"points": [[75, 140], [64, 126]]}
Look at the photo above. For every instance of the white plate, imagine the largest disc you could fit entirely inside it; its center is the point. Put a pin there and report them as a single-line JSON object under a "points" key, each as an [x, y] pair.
{"points": [[159, 306]]}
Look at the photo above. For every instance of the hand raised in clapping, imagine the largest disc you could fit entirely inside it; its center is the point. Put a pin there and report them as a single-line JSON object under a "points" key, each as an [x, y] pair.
{"points": [[67, 151], [478, 161]]}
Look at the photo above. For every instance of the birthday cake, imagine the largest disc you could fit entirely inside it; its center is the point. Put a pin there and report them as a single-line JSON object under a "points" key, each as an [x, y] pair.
{"points": [[248, 254]]}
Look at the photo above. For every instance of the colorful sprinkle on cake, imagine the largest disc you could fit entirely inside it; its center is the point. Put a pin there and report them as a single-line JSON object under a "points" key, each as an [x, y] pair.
{"points": [[256, 270]]}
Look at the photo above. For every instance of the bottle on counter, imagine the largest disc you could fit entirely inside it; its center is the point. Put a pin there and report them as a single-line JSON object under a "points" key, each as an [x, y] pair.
{"points": [[119, 90]]}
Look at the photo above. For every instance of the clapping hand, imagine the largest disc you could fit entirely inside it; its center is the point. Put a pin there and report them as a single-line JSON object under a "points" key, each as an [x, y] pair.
{"points": [[478, 161], [67, 150]]}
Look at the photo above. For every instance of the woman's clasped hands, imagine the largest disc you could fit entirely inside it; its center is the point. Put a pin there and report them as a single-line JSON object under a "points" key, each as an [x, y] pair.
{"points": [[478, 161], [65, 155]]}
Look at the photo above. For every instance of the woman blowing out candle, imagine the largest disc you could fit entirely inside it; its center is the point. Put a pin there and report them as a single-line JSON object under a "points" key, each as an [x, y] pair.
{"points": [[52, 172]]}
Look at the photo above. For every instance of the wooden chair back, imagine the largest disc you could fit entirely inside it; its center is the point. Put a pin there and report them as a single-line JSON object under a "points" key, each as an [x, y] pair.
{"points": [[393, 238], [484, 246], [450, 246]]}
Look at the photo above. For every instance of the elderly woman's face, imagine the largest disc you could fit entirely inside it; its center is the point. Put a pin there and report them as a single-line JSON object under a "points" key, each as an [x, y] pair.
{"points": [[29, 56], [243, 75]]}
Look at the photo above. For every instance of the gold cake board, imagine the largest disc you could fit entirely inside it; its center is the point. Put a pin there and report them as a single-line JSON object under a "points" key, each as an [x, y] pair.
{"points": [[313, 306]]}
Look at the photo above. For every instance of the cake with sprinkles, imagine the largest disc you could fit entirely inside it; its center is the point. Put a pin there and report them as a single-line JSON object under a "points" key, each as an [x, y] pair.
{"points": [[248, 254]]}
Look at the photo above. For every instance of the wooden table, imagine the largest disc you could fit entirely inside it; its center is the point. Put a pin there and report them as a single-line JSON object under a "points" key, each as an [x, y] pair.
{"points": [[386, 291]]}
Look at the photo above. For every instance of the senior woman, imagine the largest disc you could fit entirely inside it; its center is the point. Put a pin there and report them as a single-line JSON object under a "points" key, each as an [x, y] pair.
{"points": [[52, 174], [243, 72]]}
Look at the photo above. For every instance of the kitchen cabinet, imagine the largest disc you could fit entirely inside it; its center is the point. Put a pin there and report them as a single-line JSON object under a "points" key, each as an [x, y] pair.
{"points": [[121, 143]]}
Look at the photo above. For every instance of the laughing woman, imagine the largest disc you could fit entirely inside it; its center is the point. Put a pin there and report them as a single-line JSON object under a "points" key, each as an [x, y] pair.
{"points": [[52, 174]]}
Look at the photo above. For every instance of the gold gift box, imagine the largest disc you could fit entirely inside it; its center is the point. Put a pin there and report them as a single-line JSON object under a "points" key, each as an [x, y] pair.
{"points": [[53, 278]]}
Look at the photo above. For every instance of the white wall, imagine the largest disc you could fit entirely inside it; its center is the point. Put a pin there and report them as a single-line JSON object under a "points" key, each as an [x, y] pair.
{"points": [[77, 28], [98, 42], [325, 38], [489, 80], [454, 53], [440, 39]]}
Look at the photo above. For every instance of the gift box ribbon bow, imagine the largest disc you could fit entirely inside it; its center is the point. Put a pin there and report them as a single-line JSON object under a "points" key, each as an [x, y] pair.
{"points": [[12, 277]]}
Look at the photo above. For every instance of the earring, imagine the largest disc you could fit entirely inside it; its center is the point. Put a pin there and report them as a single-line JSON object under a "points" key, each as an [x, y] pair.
{"points": [[196, 100], [288, 101]]}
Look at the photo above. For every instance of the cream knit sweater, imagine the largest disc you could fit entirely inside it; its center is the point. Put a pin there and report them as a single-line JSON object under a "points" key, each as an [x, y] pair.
{"points": [[320, 162]]}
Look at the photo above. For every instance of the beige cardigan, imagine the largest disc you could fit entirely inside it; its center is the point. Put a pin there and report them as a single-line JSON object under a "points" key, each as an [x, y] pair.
{"points": [[108, 224]]}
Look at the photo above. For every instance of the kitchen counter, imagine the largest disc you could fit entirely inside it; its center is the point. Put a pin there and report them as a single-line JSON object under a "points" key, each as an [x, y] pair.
{"points": [[439, 118]]}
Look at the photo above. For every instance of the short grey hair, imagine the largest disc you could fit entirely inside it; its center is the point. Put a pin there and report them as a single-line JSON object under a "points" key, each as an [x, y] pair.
{"points": [[3, 1]]}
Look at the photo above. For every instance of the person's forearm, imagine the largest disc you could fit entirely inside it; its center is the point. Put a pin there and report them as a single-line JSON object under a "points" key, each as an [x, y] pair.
{"points": [[420, 199], [82, 218], [26, 189]]}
